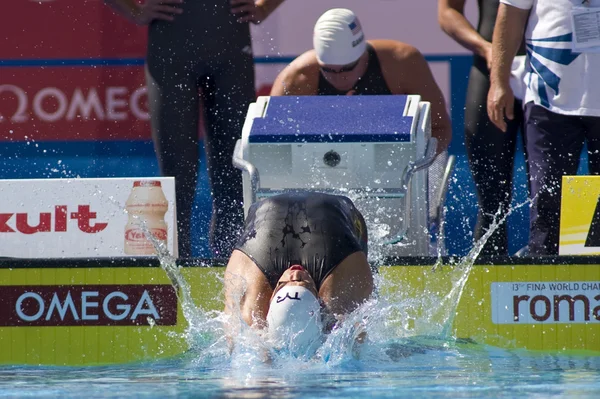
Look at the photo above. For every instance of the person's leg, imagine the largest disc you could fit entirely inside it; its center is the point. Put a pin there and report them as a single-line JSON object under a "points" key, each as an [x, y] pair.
{"points": [[173, 102], [554, 144], [229, 92], [592, 124], [491, 158]]}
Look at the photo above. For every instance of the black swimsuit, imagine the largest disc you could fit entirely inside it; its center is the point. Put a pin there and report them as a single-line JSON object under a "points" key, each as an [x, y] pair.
{"points": [[372, 82], [315, 230]]}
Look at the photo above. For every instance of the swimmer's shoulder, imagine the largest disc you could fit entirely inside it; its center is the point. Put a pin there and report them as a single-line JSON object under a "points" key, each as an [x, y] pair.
{"points": [[398, 61], [300, 77], [393, 51]]}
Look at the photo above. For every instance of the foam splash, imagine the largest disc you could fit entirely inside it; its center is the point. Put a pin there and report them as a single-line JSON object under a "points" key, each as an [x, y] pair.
{"points": [[397, 325]]}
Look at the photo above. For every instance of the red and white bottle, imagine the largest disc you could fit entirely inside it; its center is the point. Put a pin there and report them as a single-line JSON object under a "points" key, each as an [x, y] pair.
{"points": [[147, 206]]}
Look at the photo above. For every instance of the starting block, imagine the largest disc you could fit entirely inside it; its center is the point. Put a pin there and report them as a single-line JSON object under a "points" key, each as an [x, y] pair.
{"points": [[376, 150]]}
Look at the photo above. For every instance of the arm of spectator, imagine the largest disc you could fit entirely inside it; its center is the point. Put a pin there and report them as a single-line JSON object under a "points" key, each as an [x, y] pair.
{"points": [[508, 35], [255, 11], [416, 78], [143, 14], [453, 21]]}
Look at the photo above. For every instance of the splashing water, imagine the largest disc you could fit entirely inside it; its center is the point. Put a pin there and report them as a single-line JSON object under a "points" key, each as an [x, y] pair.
{"points": [[450, 301], [397, 325], [403, 356]]}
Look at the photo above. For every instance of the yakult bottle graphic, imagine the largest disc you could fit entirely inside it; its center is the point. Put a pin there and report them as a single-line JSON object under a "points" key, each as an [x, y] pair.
{"points": [[147, 206]]}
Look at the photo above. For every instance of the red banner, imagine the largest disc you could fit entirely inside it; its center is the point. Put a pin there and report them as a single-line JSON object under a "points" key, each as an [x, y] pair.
{"points": [[73, 103], [87, 102], [51, 29], [88, 305]]}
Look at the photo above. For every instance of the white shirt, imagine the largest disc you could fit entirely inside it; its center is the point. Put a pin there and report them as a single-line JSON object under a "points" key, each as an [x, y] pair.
{"points": [[563, 81]]}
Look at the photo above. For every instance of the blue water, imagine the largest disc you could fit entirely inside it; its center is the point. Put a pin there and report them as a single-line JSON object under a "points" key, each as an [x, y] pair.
{"points": [[408, 369]]}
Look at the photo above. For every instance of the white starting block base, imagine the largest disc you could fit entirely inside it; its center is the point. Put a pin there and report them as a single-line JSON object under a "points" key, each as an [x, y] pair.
{"points": [[373, 149]]}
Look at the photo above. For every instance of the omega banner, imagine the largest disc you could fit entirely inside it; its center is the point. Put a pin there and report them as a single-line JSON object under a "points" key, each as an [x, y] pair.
{"points": [[88, 305], [73, 69], [79, 312], [87, 218]]}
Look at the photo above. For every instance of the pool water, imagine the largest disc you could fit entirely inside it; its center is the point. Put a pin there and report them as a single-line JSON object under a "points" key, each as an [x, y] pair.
{"points": [[414, 368]]}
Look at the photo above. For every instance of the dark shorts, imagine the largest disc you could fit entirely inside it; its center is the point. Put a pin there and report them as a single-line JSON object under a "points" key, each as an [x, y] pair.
{"points": [[317, 231], [554, 143]]}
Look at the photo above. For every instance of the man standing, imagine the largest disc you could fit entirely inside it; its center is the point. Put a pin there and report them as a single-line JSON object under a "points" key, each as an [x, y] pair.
{"points": [[490, 151], [562, 101], [200, 50]]}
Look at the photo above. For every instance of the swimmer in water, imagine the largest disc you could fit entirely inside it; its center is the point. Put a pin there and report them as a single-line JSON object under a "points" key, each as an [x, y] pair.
{"points": [[298, 268]]}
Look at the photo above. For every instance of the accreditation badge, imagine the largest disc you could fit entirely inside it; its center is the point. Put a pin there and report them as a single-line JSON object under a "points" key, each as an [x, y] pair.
{"points": [[585, 21]]}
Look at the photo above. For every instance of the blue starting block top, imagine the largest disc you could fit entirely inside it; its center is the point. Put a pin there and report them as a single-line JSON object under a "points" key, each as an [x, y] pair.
{"points": [[333, 119]]}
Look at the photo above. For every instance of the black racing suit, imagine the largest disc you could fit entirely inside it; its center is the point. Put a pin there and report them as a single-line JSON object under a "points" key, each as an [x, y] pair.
{"points": [[490, 151], [203, 50], [315, 230], [372, 82]]}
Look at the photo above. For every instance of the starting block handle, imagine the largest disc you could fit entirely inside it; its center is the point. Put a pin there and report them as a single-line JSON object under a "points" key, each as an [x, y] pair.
{"points": [[242, 164], [407, 174]]}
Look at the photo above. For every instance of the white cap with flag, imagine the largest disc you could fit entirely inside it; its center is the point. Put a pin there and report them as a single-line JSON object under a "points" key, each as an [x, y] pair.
{"points": [[338, 38], [294, 321]]}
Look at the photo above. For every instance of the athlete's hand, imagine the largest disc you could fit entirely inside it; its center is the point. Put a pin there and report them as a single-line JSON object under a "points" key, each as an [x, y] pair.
{"points": [[500, 102], [157, 9], [249, 11]]}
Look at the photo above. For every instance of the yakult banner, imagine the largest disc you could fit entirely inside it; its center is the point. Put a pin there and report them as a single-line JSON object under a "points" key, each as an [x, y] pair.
{"points": [[87, 218]]}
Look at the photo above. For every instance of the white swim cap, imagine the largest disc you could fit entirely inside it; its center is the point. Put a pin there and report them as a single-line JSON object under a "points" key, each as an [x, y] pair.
{"points": [[338, 37], [294, 321]]}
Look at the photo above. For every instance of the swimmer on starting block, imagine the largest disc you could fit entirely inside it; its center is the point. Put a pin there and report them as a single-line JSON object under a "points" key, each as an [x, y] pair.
{"points": [[298, 268], [343, 62]]}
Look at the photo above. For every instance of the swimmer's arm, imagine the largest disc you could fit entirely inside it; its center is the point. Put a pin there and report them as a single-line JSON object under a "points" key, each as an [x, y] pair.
{"points": [[247, 294], [418, 79], [452, 20], [252, 307], [297, 81], [281, 86], [288, 86]]}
